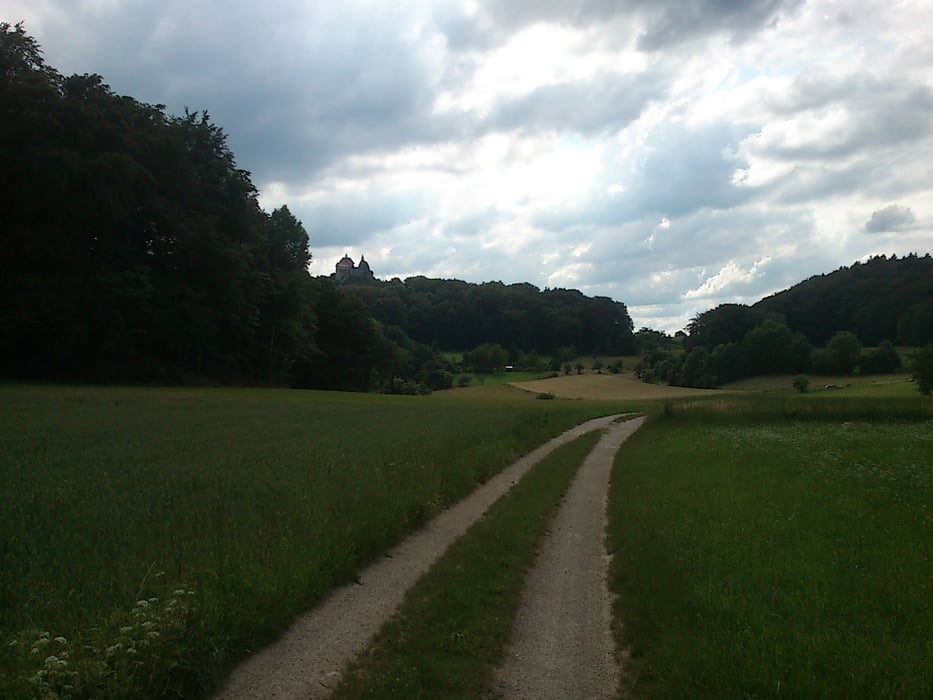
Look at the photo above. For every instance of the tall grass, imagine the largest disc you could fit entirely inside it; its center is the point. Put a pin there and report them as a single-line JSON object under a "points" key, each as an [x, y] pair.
{"points": [[148, 537], [787, 556], [758, 407]]}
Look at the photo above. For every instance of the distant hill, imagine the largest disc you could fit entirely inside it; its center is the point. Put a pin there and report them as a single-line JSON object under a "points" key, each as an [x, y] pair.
{"points": [[881, 299]]}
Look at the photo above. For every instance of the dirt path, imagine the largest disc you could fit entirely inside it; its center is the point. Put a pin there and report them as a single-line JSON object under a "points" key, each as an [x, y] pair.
{"points": [[307, 661], [562, 644]]}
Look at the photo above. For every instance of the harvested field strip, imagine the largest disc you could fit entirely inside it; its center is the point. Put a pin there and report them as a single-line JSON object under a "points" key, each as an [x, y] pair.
{"points": [[608, 387]]}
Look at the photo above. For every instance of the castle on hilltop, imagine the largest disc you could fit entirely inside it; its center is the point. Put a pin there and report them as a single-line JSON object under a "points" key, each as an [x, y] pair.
{"points": [[348, 272]]}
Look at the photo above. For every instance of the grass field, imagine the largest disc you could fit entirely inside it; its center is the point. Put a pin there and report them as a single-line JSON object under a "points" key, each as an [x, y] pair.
{"points": [[767, 543], [773, 556], [148, 537]]}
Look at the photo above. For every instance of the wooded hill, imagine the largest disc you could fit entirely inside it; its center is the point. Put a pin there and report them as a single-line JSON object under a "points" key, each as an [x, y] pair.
{"points": [[133, 247], [456, 315], [881, 299], [819, 325]]}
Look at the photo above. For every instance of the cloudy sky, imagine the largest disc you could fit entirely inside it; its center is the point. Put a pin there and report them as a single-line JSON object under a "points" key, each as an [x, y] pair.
{"points": [[671, 155]]}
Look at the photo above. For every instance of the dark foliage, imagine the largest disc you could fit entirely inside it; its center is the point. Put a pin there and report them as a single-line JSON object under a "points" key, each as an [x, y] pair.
{"points": [[882, 360], [881, 299], [459, 315], [133, 248], [922, 370], [727, 323], [873, 302]]}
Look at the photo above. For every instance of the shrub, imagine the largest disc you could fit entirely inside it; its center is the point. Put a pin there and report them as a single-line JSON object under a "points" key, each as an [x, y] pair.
{"points": [[882, 360], [411, 388], [801, 383], [438, 379], [922, 372]]}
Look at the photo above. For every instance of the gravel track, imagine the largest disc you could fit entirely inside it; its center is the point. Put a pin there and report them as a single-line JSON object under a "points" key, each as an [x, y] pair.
{"points": [[306, 662], [562, 645]]}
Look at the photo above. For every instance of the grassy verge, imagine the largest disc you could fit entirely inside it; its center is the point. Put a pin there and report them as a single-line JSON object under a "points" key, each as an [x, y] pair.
{"points": [[775, 557], [149, 536], [454, 624]]}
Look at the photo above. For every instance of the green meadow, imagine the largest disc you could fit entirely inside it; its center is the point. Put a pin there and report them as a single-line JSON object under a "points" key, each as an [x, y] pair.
{"points": [[776, 548], [150, 537], [766, 544]]}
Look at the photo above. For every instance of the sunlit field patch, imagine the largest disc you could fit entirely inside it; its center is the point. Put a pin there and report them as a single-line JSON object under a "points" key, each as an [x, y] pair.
{"points": [[613, 387], [775, 558]]}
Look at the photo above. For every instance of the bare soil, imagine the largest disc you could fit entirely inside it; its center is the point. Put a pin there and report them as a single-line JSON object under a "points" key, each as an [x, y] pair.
{"points": [[607, 386], [308, 659]]}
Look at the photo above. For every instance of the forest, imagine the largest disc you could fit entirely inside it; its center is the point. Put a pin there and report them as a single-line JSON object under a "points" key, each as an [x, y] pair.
{"points": [[822, 325], [457, 315], [134, 248]]}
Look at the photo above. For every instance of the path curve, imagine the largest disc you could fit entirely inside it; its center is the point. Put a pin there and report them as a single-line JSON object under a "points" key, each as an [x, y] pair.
{"points": [[306, 662], [562, 645]]}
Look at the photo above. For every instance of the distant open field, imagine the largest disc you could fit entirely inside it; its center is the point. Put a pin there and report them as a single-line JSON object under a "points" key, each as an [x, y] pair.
{"points": [[626, 387], [882, 385], [608, 387]]}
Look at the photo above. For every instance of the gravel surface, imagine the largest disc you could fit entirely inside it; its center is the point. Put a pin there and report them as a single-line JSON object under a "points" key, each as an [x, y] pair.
{"points": [[308, 659], [562, 644]]}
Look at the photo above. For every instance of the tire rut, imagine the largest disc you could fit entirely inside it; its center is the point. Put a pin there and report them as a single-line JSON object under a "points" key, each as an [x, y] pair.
{"points": [[562, 644]]}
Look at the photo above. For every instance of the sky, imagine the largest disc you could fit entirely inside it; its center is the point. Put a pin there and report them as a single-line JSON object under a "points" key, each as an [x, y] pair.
{"points": [[671, 155]]}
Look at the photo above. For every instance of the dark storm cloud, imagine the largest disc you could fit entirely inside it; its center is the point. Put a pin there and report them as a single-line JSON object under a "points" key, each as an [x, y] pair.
{"points": [[881, 175], [689, 169], [603, 103], [292, 96], [876, 115], [666, 22], [349, 218], [514, 14], [463, 31], [672, 22], [892, 218]]}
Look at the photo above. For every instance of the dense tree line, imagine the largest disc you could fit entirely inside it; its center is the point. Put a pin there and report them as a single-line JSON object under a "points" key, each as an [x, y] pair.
{"points": [[885, 298], [458, 316], [819, 326], [133, 247]]}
